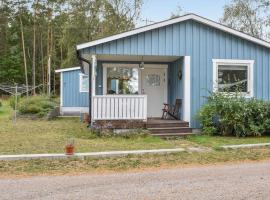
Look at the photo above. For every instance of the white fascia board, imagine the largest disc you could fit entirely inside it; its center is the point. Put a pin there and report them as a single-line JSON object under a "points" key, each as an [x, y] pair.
{"points": [[230, 30], [173, 21], [133, 32], [67, 69]]}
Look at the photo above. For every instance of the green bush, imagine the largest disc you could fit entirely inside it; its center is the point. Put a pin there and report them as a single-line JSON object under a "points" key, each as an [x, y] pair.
{"points": [[12, 101], [39, 105], [227, 114]]}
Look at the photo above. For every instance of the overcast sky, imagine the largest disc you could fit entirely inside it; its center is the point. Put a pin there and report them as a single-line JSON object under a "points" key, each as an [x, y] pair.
{"points": [[158, 10]]}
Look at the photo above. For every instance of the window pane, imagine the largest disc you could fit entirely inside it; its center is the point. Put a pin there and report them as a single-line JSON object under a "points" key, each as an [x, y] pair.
{"points": [[84, 83], [153, 80], [232, 78], [122, 80]]}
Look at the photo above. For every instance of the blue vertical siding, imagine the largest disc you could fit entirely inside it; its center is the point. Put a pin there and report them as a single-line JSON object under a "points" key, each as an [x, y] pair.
{"points": [[72, 97], [202, 43], [175, 85]]}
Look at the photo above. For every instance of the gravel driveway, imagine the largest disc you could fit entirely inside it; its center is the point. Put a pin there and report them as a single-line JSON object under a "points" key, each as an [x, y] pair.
{"points": [[238, 181]]}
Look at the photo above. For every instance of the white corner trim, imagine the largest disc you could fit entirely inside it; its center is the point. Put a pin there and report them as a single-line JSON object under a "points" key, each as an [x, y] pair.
{"points": [[186, 88], [80, 83], [234, 62], [67, 69], [61, 89], [173, 21]]}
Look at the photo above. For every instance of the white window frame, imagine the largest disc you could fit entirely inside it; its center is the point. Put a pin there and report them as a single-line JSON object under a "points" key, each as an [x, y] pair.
{"points": [[248, 63], [81, 81]]}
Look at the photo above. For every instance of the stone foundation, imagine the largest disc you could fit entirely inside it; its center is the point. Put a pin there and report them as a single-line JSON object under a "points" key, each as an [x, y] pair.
{"points": [[120, 124]]}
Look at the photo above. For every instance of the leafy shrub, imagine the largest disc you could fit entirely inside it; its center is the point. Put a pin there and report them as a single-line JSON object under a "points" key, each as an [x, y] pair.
{"points": [[227, 114], [0, 104], [39, 105]]}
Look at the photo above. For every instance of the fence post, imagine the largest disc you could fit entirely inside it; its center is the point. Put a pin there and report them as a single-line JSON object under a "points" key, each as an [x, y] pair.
{"points": [[15, 105]]}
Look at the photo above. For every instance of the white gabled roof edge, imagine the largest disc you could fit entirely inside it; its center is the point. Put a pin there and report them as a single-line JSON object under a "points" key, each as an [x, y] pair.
{"points": [[67, 69], [173, 21]]}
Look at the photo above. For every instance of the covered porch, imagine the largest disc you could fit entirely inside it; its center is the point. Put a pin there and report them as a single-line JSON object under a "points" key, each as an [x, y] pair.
{"points": [[134, 88]]}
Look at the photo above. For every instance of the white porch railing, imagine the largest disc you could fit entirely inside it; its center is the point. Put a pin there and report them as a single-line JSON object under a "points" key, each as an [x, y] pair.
{"points": [[119, 107]]}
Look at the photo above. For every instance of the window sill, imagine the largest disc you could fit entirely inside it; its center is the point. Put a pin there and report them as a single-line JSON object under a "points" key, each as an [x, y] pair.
{"points": [[245, 95]]}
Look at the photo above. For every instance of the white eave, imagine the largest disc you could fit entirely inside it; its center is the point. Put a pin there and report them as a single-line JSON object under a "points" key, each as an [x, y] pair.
{"points": [[67, 69], [173, 21]]}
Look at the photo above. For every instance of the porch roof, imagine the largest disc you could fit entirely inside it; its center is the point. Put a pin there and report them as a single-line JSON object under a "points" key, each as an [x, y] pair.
{"points": [[133, 58], [128, 59]]}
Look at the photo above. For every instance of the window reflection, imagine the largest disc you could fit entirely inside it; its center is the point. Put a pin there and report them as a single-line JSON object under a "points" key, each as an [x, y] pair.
{"points": [[232, 78], [122, 80]]}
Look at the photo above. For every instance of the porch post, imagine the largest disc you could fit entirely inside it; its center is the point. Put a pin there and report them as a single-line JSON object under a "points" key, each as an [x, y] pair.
{"points": [[93, 84], [94, 66], [186, 88]]}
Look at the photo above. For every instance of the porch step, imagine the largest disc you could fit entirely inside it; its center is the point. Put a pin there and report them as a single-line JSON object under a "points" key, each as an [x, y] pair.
{"points": [[170, 130], [165, 125]]}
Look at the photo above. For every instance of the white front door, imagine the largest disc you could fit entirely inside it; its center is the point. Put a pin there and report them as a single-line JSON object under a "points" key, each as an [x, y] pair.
{"points": [[154, 85]]}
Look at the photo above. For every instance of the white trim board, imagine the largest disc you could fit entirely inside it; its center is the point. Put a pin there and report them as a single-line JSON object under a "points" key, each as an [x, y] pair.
{"points": [[67, 69], [248, 63], [186, 88], [173, 21], [64, 109], [61, 89]]}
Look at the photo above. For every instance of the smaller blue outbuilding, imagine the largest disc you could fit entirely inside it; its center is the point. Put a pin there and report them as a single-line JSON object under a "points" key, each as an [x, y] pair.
{"points": [[74, 89]]}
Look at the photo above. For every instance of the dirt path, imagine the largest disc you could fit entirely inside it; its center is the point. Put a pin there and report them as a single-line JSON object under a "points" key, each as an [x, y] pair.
{"points": [[238, 181]]}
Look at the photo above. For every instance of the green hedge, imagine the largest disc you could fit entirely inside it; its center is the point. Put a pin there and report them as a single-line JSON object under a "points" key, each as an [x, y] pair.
{"points": [[38, 105], [227, 114]]}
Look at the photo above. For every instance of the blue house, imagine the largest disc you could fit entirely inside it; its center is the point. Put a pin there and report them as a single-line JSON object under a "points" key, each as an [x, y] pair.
{"points": [[74, 91], [135, 72]]}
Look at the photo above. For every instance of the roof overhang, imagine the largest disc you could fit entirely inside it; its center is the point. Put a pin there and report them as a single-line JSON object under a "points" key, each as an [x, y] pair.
{"points": [[67, 69], [173, 21], [132, 58]]}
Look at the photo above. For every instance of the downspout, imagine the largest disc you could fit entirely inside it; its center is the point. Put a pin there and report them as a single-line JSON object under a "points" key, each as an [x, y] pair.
{"points": [[81, 59]]}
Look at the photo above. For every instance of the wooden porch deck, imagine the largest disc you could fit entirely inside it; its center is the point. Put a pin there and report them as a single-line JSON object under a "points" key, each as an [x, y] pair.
{"points": [[168, 128]]}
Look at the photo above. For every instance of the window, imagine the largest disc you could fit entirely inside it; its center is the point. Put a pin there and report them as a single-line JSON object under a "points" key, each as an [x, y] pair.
{"points": [[84, 83], [121, 79], [153, 80], [233, 76]]}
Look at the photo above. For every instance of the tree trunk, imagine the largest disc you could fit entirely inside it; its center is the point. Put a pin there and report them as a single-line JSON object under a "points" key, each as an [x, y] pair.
{"points": [[49, 76], [34, 52], [24, 56], [42, 63]]}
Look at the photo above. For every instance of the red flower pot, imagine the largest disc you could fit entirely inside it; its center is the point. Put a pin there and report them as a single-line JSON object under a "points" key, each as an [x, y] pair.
{"points": [[69, 149]]}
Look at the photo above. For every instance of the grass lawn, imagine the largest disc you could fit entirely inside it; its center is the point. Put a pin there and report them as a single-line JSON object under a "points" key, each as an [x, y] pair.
{"points": [[217, 141], [75, 166], [42, 136], [5, 110]]}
